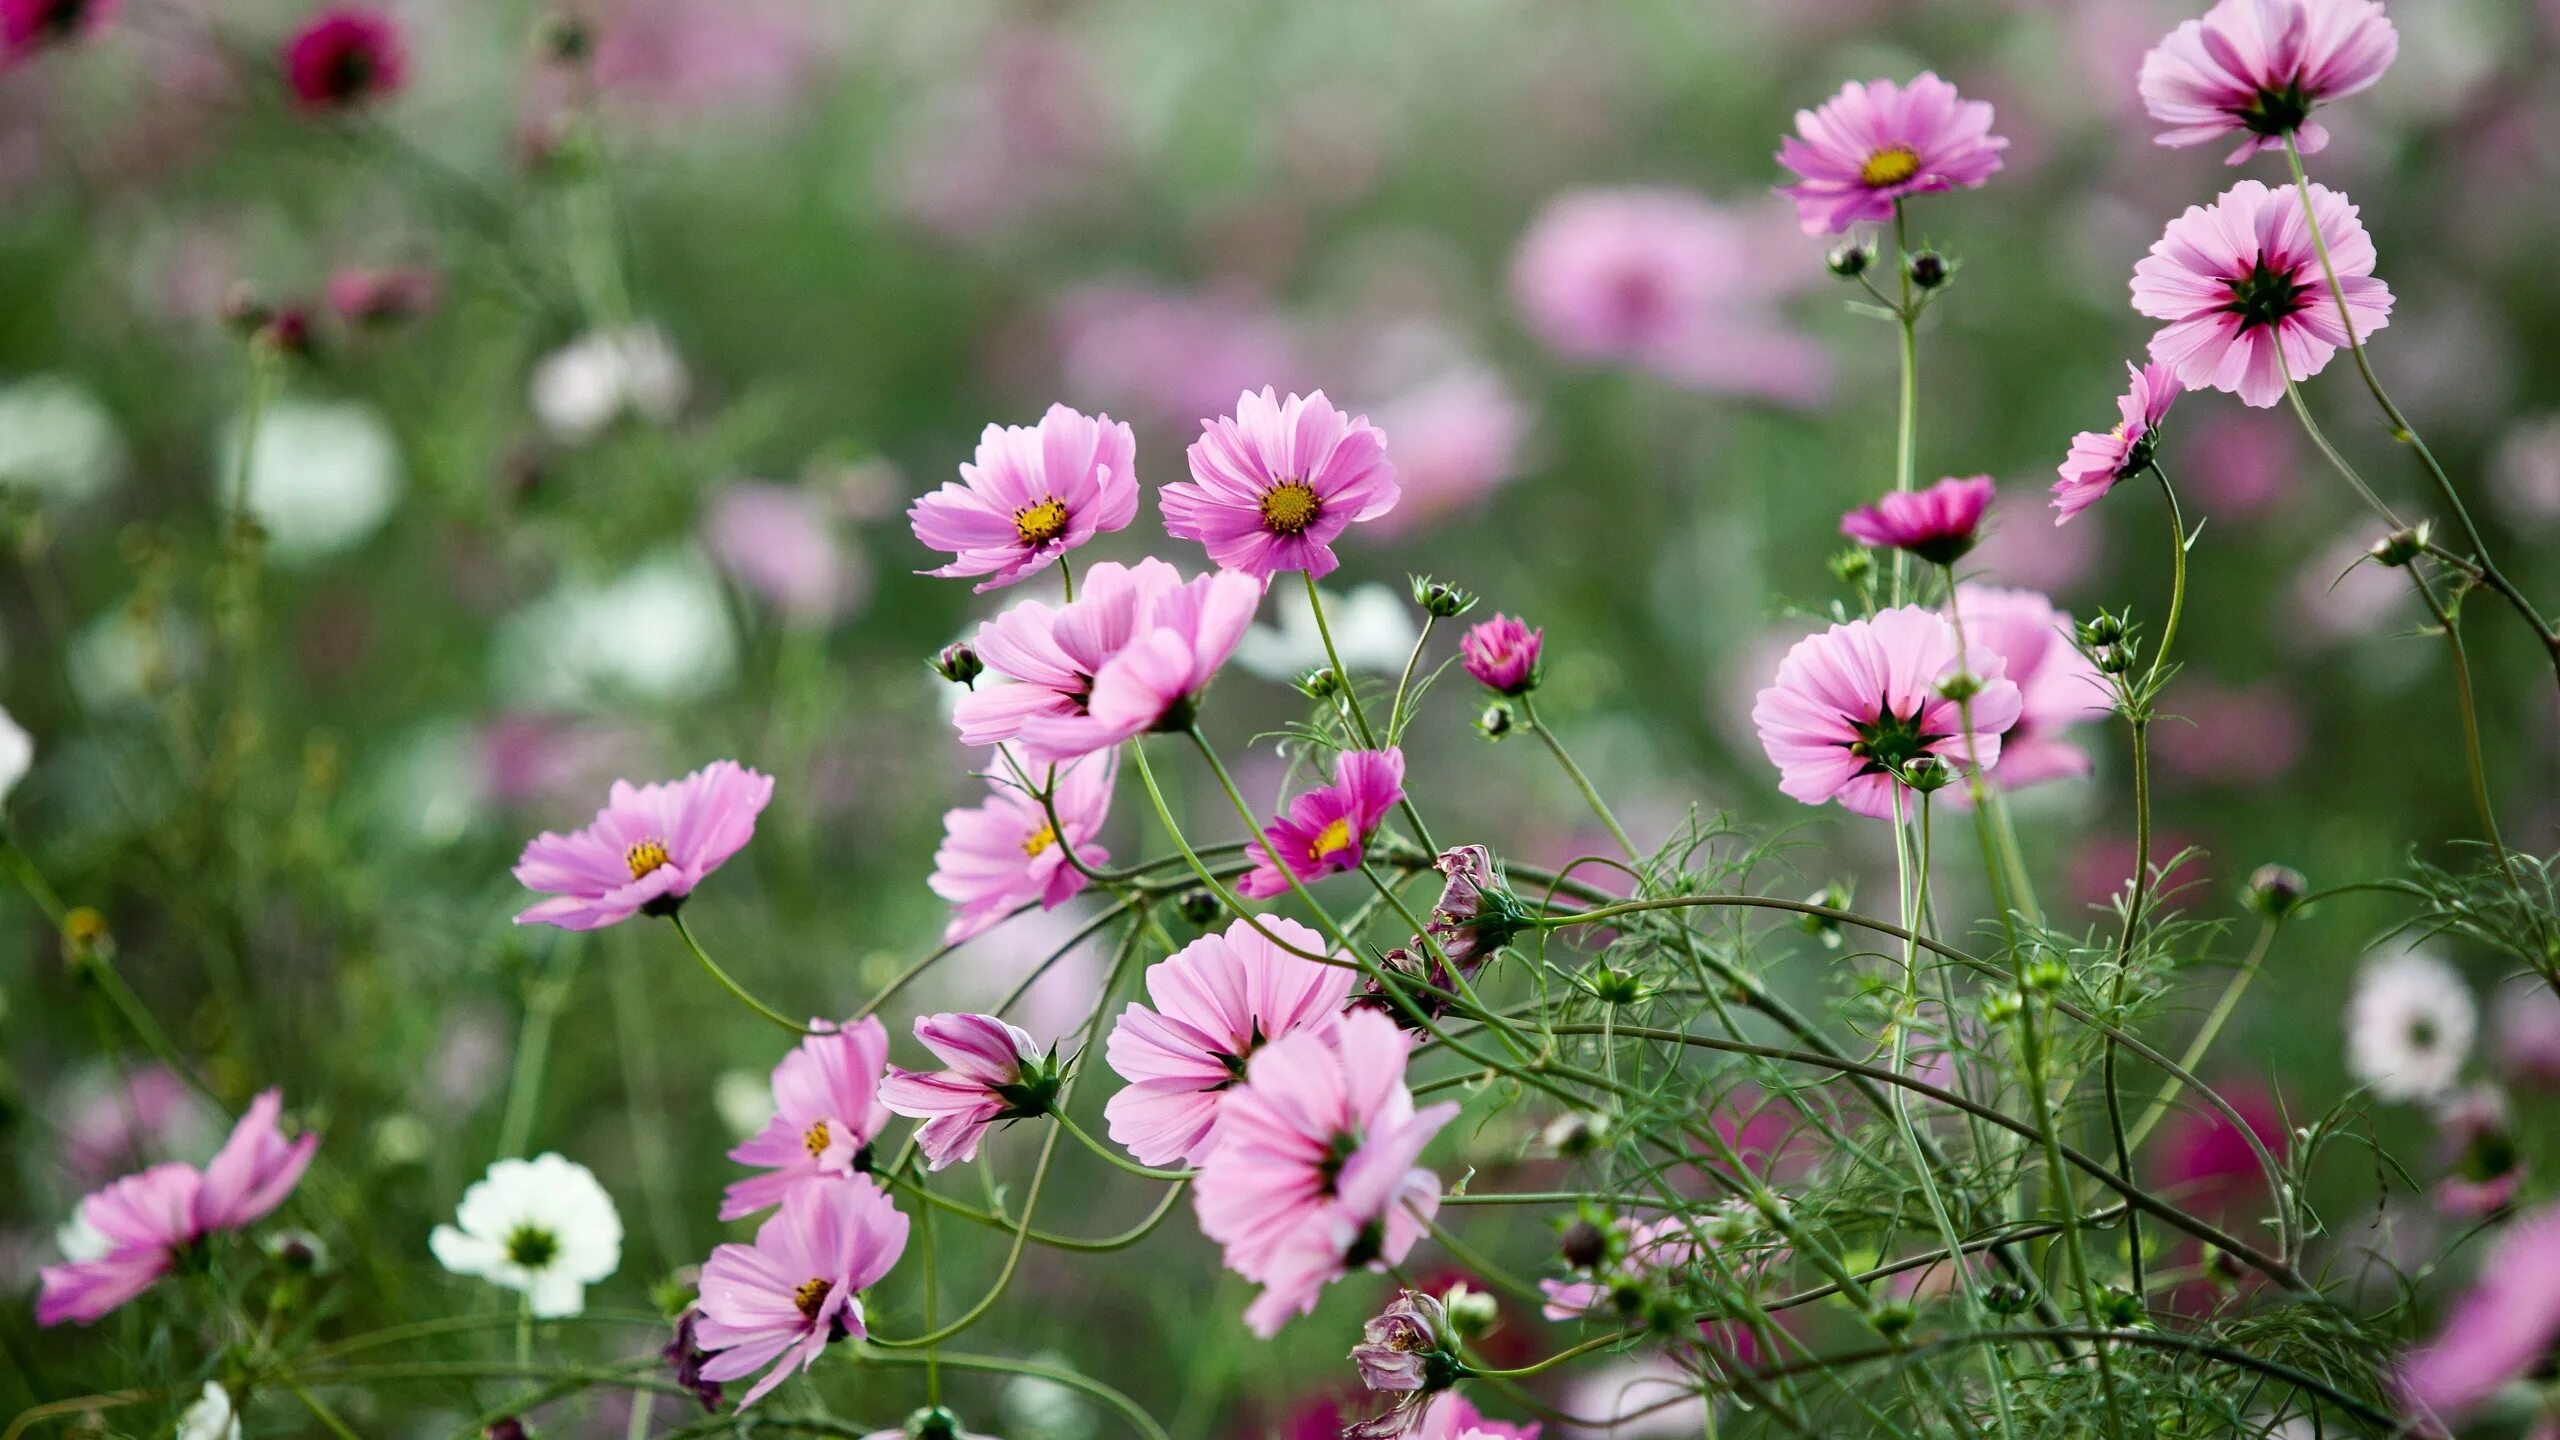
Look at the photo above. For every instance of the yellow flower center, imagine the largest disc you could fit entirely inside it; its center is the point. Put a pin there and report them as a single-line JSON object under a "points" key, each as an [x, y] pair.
{"points": [[1039, 524], [1330, 840], [815, 1142], [1289, 507], [1039, 840], [811, 1295], [1890, 166], [645, 856]]}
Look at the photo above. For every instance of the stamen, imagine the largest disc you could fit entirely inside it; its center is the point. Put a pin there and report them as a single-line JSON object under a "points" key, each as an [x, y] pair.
{"points": [[645, 856], [1289, 507], [1039, 524], [811, 1297], [1890, 166], [1039, 840], [817, 1140], [1331, 840]]}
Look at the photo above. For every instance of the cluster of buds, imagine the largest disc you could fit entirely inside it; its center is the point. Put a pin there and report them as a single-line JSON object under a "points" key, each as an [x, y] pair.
{"points": [[2110, 643], [1476, 915], [1441, 601]]}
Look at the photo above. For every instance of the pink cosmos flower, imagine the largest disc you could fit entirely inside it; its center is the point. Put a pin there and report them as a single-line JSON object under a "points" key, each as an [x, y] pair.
{"points": [[1311, 1171], [1872, 144], [1274, 485], [1656, 1247], [1004, 853], [1502, 654], [2484, 1166], [1217, 1001], [779, 542], [2057, 686], [1937, 524], [2256, 69], [997, 1073], [1053, 654], [1032, 495], [2249, 736], [645, 850], [1855, 704], [2098, 460], [2499, 1332], [29, 26], [2243, 292], [797, 1289], [826, 1113], [345, 56], [382, 297], [1327, 830], [141, 1222], [147, 1113]]}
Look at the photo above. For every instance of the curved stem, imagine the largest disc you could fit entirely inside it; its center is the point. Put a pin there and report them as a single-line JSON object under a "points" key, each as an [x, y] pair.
{"points": [[1404, 682], [1333, 657], [1143, 1172], [731, 985], [1581, 782]]}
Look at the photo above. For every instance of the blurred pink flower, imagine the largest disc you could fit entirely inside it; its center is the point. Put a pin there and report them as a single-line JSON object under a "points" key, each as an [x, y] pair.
{"points": [[2528, 1029], [1175, 356], [1005, 853], [997, 1073], [1871, 145], [2057, 686], [2242, 289], [675, 60], [1458, 438], [2237, 463], [1854, 705], [1502, 654], [826, 1113], [344, 57], [2340, 594], [526, 756], [149, 1113], [1273, 485], [646, 850], [2476, 1142], [2015, 550], [1327, 829], [2101, 867], [2257, 69], [2248, 735], [778, 542], [1032, 495], [795, 1291], [381, 297], [1656, 1247], [1936, 524], [2098, 460], [2499, 1332], [1025, 131], [2206, 1163], [30, 26]]}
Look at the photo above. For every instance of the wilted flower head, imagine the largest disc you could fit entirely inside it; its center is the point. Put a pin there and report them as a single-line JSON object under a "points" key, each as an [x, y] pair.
{"points": [[795, 1291], [645, 850], [2409, 1026], [1327, 829], [1405, 1347], [2099, 459], [1937, 524], [2242, 288], [2257, 68], [1854, 707], [826, 1113], [344, 57], [1502, 654], [541, 1226], [1871, 145], [1273, 485], [997, 1073], [1033, 494]]}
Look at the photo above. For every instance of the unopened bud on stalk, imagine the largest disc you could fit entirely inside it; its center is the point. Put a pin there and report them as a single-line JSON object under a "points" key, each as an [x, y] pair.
{"points": [[2046, 976], [1854, 566], [1850, 258], [1200, 906], [2275, 889], [2001, 1006], [2401, 546], [505, 1427], [1893, 1318], [1496, 721], [1584, 1245], [1929, 269], [1321, 683], [933, 1422], [1472, 1312], [1959, 688], [1441, 601], [2102, 629], [1927, 774], [2112, 659], [2006, 1299], [1576, 1135], [959, 664], [2121, 1307]]}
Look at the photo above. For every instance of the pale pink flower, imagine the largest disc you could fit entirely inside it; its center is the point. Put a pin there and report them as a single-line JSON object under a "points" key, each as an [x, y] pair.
{"points": [[2057, 686], [1051, 654], [2240, 463], [779, 542], [1217, 1001], [1458, 439], [1006, 853], [997, 1074], [1854, 705], [1502, 654], [2528, 1033], [2099, 459], [797, 1289], [1873, 144], [2245, 735], [1275, 484], [2499, 1332], [645, 850], [1172, 355], [2242, 289], [1312, 1172], [1327, 829], [826, 1113], [148, 1113], [1654, 1248], [1032, 495], [2257, 69], [1937, 524], [2015, 548]]}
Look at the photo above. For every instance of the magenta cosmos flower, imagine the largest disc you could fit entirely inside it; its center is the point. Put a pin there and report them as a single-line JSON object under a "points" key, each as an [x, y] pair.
{"points": [[1502, 655], [2099, 459], [826, 1113], [2257, 68], [2057, 686], [797, 1289], [1273, 485], [997, 1074], [1033, 494], [1872, 144], [2498, 1333], [1006, 853], [1217, 1001], [1311, 1172], [344, 57], [1327, 830], [646, 849], [133, 1231], [1938, 524], [30, 26], [1854, 705], [2243, 292]]}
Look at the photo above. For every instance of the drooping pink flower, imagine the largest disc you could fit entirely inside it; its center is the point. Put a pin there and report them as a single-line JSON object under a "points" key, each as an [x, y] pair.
{"points": [[1275, 484], [2257, 68], [382, 297], [2057, 686], [1654, 1248], [28, 27], [344, 57], [1312, 1172], [1005, 853], [1853, 706], [645, 850], [826, 1113], [1872, 144], [997, 1074], [1327, 829], [779, 542], [2499, 1332], [2242, 289], [1502, 654], [1033, 494], [797, 1289], [2099, 459], [1938, 524], [1217, 1001]]}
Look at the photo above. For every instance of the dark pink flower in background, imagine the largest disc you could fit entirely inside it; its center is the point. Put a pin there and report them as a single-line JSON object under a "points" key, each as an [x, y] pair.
{"points": [[2207, 1163], [2057, 686], [2245, 735], [1938, 524], [1502, 654], [2257, 69], [2527, 1016], [2242, 289], [645, 850], [1327, 829], [2099, 459], [30, 26], [1032, 494], [997, 1074], [2500, 1332], [795, 1291], [362, 296], [2100, 869], [1275, 484], [826, 1113], [1854, 705], [344, 57], [2478, 1148], [779, 542], [1871, 145], [2017, 548], [1006, 852]]}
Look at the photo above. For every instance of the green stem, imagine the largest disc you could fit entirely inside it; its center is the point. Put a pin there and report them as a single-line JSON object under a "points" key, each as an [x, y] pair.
{"points": [[2213, 1023], [1144, 1172], [1333, 657], [1581, 782], [731, 985]]}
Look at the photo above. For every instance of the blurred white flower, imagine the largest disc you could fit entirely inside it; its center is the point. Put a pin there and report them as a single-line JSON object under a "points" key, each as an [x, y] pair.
{"points": [[1638, 1398], [1035, 1407], [1373, 627], [124, 656], [323, 475], [57, 440], [2409, 1026], [211, 1417], [79, 1241], [431, 789], [660, 632], [17, 753], [542, 1226], [743, 1100], [2525, 476], [604, 376]]}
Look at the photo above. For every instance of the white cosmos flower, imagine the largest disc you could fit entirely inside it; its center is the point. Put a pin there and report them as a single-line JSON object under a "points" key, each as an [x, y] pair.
{"points": [[2409, 1026], [211, 1417], [542, 1226], [17, 753], [323, 475], [1373, 627], [57, 440], [660, 631], [601, 377]]}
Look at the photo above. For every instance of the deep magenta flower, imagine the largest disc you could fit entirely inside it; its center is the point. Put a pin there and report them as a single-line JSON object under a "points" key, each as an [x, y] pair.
{"points": [[1273, 485], [2243, 292], [1872, 144], [826, 1113], [1502, 654], [645, 850], [30, 26], [2057, 686], [1005, 853], [1855, 705], [1327, 829], [2257, 68], [1033, 494], [1938, 524], [1217, 1000], [2498, 1333], [997, 1074], [797, 1289], [2099, 459], [344, 57], [135, 1228]]}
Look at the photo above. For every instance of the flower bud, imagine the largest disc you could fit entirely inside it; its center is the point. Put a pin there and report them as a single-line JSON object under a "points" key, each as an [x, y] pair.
{"points": [[1849, 259], [2401, 546], [1439, 601], [1854, 566], [959, 664], [1576, 1135], [505, 1427], [299, 1251], [564, 38], [2046, 976], [2121, 1308], [1614, 987], [2006, 1299], [1321, 683], [1927, 774], [1200, 906], [1929, 269], [2102, 629], [1496, 721], [1472, 1312], [1502, 654], [1893, 1319], [933, 1422], [1959, 688], [2275, 889], [2112, 659], [2001, 1006], [1584, 1245]]}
